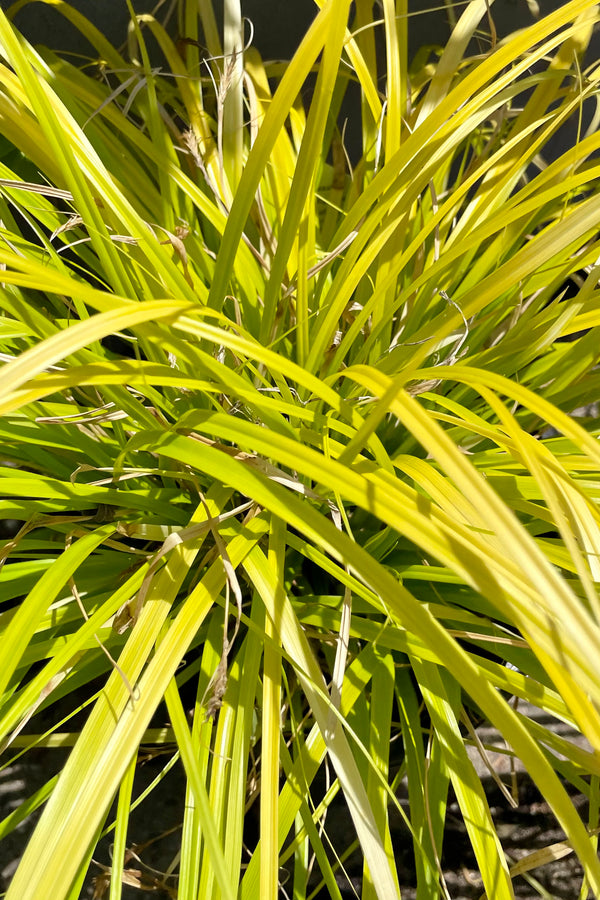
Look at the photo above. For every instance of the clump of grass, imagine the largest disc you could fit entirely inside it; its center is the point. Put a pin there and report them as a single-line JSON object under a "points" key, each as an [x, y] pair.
{"points": [[310, 475]]}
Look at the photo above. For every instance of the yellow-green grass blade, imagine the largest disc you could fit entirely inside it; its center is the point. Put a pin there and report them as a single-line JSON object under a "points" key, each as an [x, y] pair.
{"points": [[314, 840], [532, 261], [467, 786], [22, 626], [135, 652], [553, 595], [132, 372], [470, 95], [191, 18], [545, 94], [306, 837], [406, 611], [429, 155], [271, 729], [189, 754], [382, 696], [22, 130], [308, 757], [306, 256], [238, 343], [526, 686], [209, 25], [27, 271], [486, 285], [308, 159], [156, 131], [395, 16], [475, 377], [427, 782], [384, 496], [375, 234], [243, 700], [309, 673], [192, 840], [112, 734], [121, 825], [593, 820], [229, 773], [63, 344], [56, 124], [277, 113], [231, 85], [360, 47], [278, 175], [81, 495], [61, 657], [82, 170], [573, 514], [120, 133], [400, 507], [451, 57], [277, 363]]}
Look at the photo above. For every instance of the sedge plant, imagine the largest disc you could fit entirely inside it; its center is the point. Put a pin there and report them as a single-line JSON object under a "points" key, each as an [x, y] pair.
{"points": [[291, 424]]}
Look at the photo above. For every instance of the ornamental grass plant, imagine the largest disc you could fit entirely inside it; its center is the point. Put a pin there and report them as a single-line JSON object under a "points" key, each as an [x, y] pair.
{"points": [[288, 430]]}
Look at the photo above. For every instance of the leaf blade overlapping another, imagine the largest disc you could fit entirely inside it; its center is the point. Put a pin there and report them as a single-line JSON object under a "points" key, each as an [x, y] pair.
{"points": [[268, 407]]}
